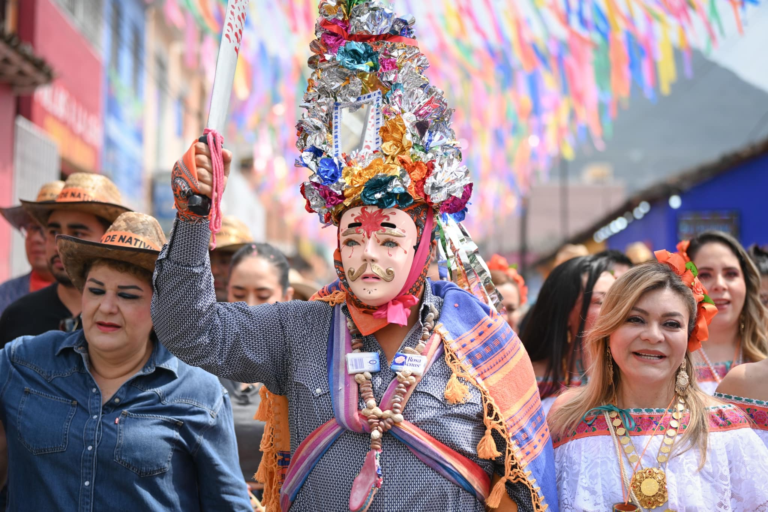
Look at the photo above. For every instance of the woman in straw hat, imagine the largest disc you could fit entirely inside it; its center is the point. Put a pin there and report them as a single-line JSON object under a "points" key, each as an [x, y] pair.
{"points": [[642, 435], [105, 415], [34, 245]]}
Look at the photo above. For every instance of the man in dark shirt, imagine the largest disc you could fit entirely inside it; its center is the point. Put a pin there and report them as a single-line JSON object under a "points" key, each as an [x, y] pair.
{"points": [[84, 208]]}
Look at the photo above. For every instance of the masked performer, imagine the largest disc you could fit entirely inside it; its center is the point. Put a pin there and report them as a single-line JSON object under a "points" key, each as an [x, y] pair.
{"points": [[391, 392]]}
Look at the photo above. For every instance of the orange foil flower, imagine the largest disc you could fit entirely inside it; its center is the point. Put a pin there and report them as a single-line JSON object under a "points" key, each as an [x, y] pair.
{"points": [[356, 178], [394, 139], [418, 172], [705, 309]]}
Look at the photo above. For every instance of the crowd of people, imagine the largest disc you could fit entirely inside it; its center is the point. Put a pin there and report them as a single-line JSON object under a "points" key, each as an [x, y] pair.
{"points": [[87, 384], [202, 372]]}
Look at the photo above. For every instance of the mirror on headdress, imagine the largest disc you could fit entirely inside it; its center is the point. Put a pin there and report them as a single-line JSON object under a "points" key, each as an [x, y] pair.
{"points": [[356, 125]]}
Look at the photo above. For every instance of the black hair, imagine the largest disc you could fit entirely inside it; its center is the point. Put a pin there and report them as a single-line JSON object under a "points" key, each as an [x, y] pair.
{"points": [[545, 335], [269, 254], [104, 222], [614, 257], [299, 264], [760, 258]]}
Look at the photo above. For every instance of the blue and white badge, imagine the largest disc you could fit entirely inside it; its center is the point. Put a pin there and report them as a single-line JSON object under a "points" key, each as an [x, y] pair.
{"points": [[411, 362], [359, 362]]}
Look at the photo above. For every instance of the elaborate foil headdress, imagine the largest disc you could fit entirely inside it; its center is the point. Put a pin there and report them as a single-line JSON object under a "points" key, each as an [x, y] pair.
{"points": [[376, 132]]}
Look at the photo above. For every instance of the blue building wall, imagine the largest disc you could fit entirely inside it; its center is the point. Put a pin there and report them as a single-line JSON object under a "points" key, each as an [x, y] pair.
{"points": [[124, 73], [744, 190]]}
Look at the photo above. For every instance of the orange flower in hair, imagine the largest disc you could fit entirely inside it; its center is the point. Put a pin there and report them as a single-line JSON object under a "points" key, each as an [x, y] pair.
{"points": [[705, 309], [500, 263], [682, 249]]}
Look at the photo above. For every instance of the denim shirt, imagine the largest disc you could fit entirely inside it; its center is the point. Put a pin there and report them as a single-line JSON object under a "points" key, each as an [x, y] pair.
{"points": [[164, 441]]}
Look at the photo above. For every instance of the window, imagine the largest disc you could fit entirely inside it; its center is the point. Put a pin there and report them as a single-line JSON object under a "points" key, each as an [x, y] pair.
{"points": [[114, 53]]}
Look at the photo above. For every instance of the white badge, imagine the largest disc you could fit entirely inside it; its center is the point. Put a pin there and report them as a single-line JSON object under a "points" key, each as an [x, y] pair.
{"points": [[359, 362], [411, 362]]}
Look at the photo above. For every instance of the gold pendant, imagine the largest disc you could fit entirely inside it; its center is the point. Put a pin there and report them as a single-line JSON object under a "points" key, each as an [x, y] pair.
{"points": [[650, 487]]}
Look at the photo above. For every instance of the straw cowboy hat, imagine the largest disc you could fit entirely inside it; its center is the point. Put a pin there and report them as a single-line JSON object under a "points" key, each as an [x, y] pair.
{"points": [[134, 238], [83, 192], [233, 235], [19, 218], [303, 289]]}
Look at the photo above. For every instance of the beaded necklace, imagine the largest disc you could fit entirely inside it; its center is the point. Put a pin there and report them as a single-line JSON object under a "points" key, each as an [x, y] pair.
{"points": [[381, 421], [737, 357], [367, 483]]}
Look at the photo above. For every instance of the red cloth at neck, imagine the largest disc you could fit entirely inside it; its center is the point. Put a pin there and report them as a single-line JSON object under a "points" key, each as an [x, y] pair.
{"points": [[36, 282]]}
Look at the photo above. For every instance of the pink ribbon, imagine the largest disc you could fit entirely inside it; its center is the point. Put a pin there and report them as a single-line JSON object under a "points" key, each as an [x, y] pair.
{"points": [[216, 144], [398, 309]]}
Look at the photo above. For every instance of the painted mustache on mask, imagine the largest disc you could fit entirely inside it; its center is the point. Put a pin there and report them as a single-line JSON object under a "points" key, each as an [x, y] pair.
{"points": [[386, 275]]}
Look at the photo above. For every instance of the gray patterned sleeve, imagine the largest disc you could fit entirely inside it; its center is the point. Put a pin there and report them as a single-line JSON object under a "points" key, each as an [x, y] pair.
{"points": [[234, 341]]}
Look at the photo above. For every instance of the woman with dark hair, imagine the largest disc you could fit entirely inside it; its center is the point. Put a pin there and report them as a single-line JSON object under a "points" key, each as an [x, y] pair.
{"points": [[259, 274], [760, 259], [739, 331], [106, 418], [568, 303]]}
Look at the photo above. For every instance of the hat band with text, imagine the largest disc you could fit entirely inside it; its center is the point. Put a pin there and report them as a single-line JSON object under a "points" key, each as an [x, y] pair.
{"points": [[126, 239], [74, 194]]}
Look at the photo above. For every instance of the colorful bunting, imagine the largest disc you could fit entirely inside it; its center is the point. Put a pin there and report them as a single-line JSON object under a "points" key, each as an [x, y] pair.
{"points": [[531, 80]]}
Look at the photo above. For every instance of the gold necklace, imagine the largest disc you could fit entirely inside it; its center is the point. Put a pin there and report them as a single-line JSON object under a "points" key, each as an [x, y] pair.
{"points": [[650, 484]]}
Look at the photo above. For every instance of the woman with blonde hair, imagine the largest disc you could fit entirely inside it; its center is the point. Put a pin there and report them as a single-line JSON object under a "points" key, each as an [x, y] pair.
{"points": [[739, 332], [641, 434]]}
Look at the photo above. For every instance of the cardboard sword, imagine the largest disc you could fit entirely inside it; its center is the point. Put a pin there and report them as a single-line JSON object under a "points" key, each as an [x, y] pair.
{"points": [[226, 63]]}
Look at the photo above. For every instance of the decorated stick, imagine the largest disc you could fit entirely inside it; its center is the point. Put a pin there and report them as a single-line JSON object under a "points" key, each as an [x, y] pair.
{"points": [[226, 63]]}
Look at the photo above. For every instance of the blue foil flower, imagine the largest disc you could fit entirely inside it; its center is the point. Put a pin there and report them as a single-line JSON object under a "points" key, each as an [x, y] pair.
{"points": [[460, 215], [329, 171], [359, 57], [381, 191]]}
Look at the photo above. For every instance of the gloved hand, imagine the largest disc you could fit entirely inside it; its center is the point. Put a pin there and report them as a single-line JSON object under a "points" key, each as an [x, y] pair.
{"points": [[193, 175]]}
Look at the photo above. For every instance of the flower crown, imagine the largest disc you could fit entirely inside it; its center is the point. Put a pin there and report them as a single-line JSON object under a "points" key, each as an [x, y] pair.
{"points": [[705, 309], [500, 263], [366, 61]]}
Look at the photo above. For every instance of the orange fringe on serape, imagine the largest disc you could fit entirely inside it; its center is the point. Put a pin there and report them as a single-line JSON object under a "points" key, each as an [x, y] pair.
{"points": [[275, 446], [457, 392]]}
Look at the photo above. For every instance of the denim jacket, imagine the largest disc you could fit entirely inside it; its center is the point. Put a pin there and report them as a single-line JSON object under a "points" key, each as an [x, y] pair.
{"points": [[164, 441]]}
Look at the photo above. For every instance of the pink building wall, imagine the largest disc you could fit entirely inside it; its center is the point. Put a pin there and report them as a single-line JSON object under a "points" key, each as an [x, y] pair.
{"points": [[7, 116]]}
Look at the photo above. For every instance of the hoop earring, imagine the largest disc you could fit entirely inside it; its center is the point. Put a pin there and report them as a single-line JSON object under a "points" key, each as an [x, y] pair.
{"points": [[682, 381], [609, 358]]}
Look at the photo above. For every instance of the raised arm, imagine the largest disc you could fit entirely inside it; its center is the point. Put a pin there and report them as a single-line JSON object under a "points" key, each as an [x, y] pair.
{"points": [[245, 344]]}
